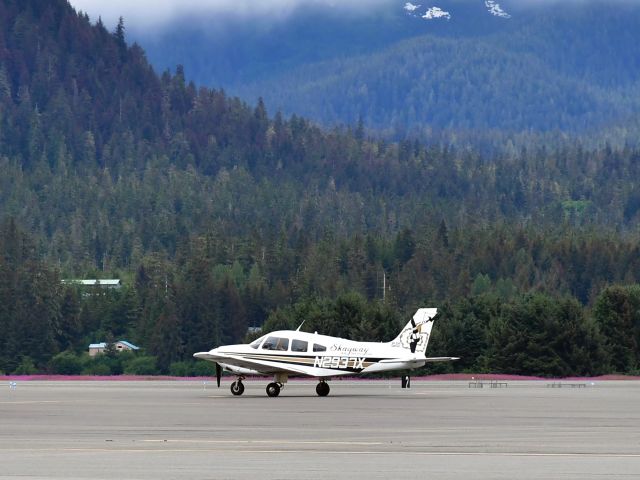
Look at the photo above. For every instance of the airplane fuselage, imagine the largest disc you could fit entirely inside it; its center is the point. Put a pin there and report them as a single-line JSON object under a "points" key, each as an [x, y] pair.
{"points": [[313, 355]]}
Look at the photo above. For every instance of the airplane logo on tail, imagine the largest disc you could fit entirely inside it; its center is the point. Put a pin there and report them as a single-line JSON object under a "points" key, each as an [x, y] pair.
{"points": [[416, 333]]}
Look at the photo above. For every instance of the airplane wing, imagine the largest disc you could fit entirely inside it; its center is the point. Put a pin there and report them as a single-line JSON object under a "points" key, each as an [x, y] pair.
{"points": [[263, 365]]}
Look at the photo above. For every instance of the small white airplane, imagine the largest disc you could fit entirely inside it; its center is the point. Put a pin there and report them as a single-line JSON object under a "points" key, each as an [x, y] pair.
{"points": [[292, 353]]}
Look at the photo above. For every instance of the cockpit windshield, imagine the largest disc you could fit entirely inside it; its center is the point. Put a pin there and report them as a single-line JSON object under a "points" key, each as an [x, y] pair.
{"points": [[256, 343]]}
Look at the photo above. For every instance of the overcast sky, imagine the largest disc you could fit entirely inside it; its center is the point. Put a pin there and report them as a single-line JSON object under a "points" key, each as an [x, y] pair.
{"points": [[156, 13]]}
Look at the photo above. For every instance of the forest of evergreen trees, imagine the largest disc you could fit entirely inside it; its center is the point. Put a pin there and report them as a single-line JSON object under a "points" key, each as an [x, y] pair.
{"points": [[218, 217], [542, 306]]}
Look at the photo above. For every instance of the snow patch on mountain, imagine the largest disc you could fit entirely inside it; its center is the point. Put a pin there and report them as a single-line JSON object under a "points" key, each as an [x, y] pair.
{"points": [[410, 7], [436, 12], [495, 9]]}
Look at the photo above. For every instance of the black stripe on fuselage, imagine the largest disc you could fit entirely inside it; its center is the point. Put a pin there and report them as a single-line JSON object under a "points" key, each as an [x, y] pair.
{"points": [[305, 360]]}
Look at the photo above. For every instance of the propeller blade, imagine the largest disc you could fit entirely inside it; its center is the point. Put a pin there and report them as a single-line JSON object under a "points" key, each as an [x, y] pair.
{"points": [[218, 374]]}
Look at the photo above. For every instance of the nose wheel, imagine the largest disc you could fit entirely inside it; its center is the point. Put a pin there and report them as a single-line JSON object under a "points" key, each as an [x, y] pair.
{"points": [[237, 387], [322, 389]]}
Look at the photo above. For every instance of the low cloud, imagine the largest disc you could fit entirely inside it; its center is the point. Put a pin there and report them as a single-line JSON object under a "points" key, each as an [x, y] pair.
{"points": [[143, 14], [151, 16]]}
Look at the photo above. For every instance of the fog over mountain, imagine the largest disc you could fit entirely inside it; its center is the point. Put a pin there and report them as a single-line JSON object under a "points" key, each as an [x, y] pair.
{"points": [[157, 15]]}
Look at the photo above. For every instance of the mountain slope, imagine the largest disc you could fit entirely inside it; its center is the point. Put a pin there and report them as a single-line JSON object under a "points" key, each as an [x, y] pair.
{"points": [[547, 66], [104, 161], [422, 82], [215, 214]]}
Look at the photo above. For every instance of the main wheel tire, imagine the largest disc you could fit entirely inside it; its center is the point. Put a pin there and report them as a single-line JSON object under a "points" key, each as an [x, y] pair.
{"points": [[273, 389], [322, 389], [237, 388]]}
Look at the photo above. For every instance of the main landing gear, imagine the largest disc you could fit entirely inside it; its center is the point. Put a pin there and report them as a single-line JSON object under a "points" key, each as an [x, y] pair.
{"points": [[279, 379], [322, 389], [237, 387], [273, 389]]}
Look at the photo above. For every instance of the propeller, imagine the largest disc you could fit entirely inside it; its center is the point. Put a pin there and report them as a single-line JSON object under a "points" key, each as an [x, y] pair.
{"points": [[218, 373]]}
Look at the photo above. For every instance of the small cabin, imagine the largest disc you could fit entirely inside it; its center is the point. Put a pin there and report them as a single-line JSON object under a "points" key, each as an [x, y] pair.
{"points": [[120, 346], [254, 330]]}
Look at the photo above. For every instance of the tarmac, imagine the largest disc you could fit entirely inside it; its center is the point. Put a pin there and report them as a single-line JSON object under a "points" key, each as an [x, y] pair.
{"points": [[362, 430]]}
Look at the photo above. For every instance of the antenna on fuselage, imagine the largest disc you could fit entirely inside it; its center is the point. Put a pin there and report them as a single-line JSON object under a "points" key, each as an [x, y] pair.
{"points": [[298, 329]]}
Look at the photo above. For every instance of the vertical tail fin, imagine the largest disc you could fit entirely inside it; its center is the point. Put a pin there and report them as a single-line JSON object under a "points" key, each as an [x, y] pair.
{"points": [[415, 335]]}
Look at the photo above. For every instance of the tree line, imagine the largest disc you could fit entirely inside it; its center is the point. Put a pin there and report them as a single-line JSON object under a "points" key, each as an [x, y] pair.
{"points": [[208, 296], [218, 217]]}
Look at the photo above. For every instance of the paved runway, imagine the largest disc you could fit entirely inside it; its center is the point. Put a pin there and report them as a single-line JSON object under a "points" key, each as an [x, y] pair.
{"points": [[440, 430]]}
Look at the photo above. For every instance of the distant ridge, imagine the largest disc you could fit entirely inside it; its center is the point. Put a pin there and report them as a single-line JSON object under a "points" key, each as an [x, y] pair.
{"points": [[476, 65]]}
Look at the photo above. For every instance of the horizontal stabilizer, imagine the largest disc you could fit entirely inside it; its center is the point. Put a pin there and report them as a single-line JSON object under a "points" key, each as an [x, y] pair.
{"points": [[401, 360], [441, 359]]}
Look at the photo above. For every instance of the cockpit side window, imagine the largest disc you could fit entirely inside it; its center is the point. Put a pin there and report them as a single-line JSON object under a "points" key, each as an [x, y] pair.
{"points": [[256, 343], [319, 348], [299, 346], [276, 343]]}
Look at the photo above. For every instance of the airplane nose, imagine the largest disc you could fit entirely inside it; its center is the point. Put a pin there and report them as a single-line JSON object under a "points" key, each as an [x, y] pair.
{"points": [[206, 355]]}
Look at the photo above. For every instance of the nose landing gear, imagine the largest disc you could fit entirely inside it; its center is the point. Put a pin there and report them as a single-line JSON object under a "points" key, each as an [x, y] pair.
{"points": [[237, 387]]}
